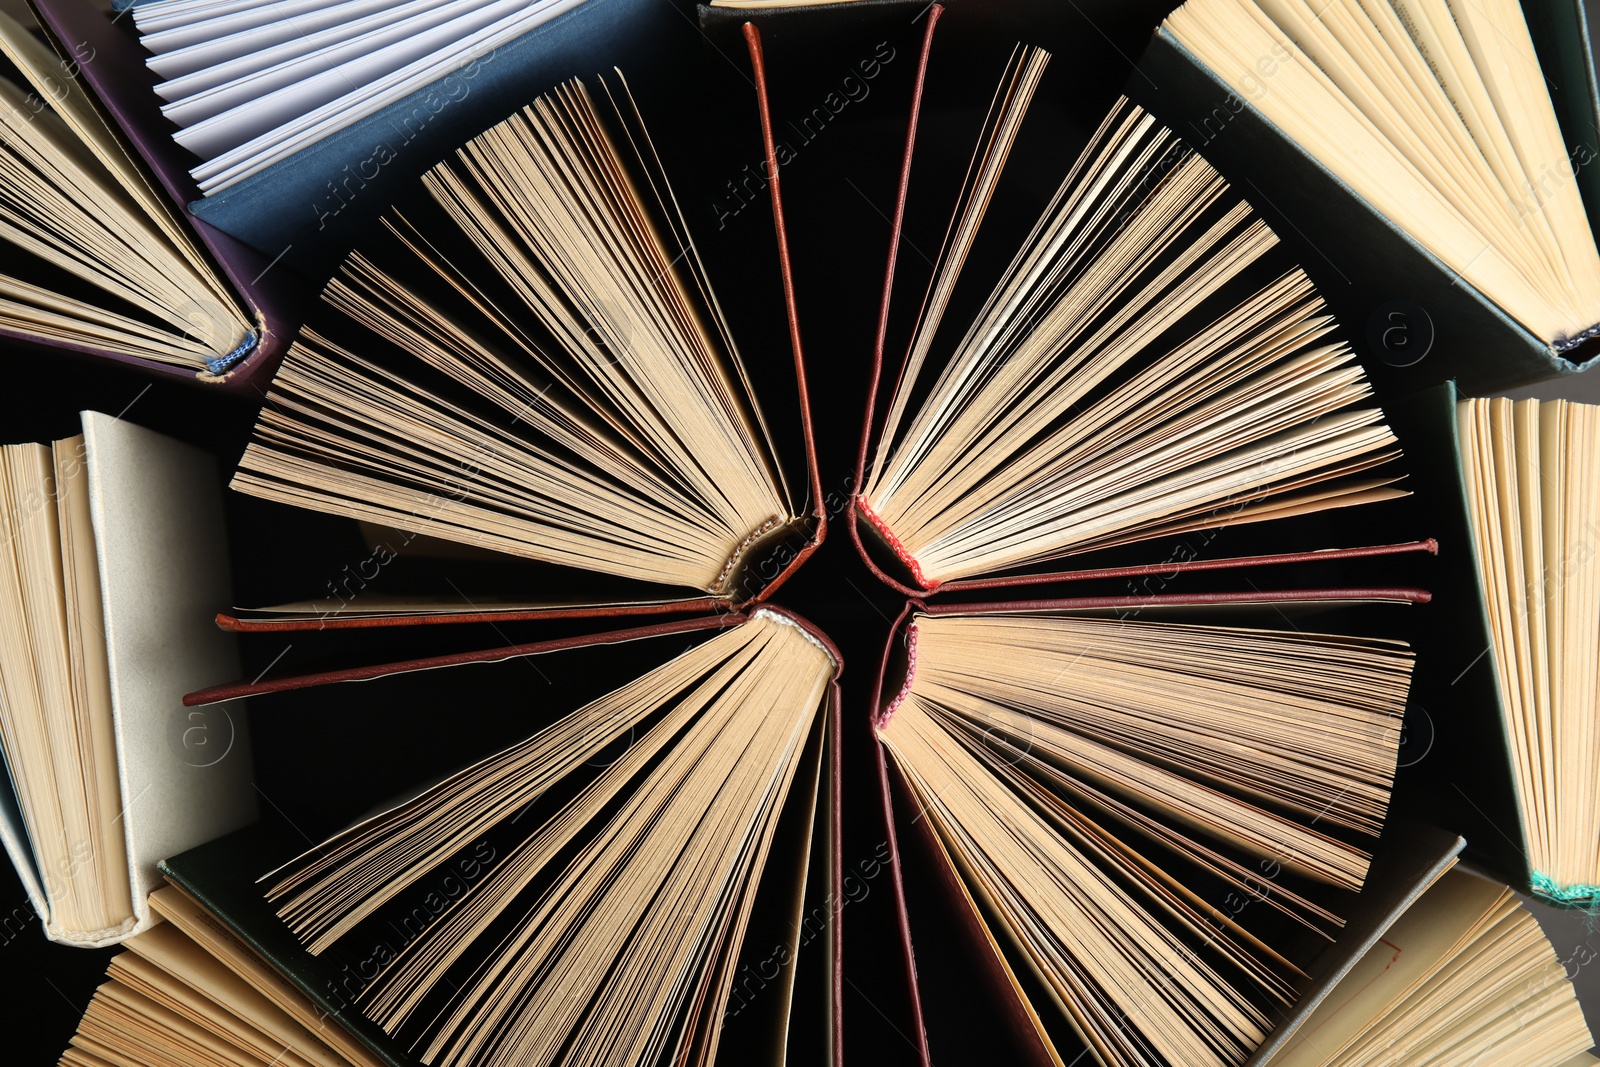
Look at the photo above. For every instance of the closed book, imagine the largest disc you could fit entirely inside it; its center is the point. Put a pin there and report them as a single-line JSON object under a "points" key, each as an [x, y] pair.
{"points": [[1488, 724], [179, 778]]}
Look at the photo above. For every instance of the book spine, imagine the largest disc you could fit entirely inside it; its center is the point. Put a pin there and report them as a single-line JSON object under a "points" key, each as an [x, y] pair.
{"points": [[895, 545], [332, 620], [261, 686], [902, 912], [752, 37], [222, 364], [808, 630], [1550, 891], [896, 228], [1134, 604], [911, 673], [720, 583], [1171, 569]]}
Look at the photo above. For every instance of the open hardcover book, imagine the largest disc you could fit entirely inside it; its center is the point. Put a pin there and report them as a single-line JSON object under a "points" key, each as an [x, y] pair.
{"points": [[296, 123], [1150, 363], [112, 552], [248, 85], [1415, 148], [1511, 675], [528, 358], [646, 877], [102, 259], [1137, 861], [1462, 974], [186, 991]]}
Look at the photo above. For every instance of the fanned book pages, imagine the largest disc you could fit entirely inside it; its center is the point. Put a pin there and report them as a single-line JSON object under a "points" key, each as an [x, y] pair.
{"points": [[1436, 113], [1415, 146], [1532, 477], [1464, 976], [1148, 822], [111, 553], [530, 359], [249, 84], [184, 992], [55, 691], [1148, 363], [613, 883], [1561, 38], [100, 259]]}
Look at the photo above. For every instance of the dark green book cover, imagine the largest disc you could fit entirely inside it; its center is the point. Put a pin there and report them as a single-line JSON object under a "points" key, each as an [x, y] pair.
{"points": [[221, 876], [1394, 297], [1458, 768], [1560, 31]]}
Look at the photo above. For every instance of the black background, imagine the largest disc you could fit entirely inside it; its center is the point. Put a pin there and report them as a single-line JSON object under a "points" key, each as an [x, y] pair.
{"points": [[319, 763]]}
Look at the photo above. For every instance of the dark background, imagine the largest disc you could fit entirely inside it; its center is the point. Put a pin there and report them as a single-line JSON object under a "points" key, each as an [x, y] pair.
{"points": [[320, 761]]}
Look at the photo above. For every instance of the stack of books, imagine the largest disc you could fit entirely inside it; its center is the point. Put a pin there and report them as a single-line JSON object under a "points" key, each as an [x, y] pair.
{"points": [[1186, 541]]}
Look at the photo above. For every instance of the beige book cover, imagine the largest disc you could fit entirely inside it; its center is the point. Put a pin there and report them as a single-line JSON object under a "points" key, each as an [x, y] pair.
{"points": [[185, 773]]}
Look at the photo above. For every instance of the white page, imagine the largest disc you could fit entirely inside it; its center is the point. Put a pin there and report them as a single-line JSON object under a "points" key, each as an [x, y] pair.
{"points": [[165, 14], [251, 158], [372, 33], [250, 120], [195, 63], [209, 28]]}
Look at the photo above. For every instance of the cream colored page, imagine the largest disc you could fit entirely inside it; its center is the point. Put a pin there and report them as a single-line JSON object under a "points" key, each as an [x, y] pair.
{"points": [[64, 847], [1533, 486], [173, 952], [91, 678], [68, 98], [142, 978], [1231, 35], [1497, 35], [1573, 584], [199, 925], [27, 753], [1420, 942]]}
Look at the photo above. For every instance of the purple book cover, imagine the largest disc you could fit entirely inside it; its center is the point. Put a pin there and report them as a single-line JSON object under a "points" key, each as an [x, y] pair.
{"points": [[111, 64]]}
